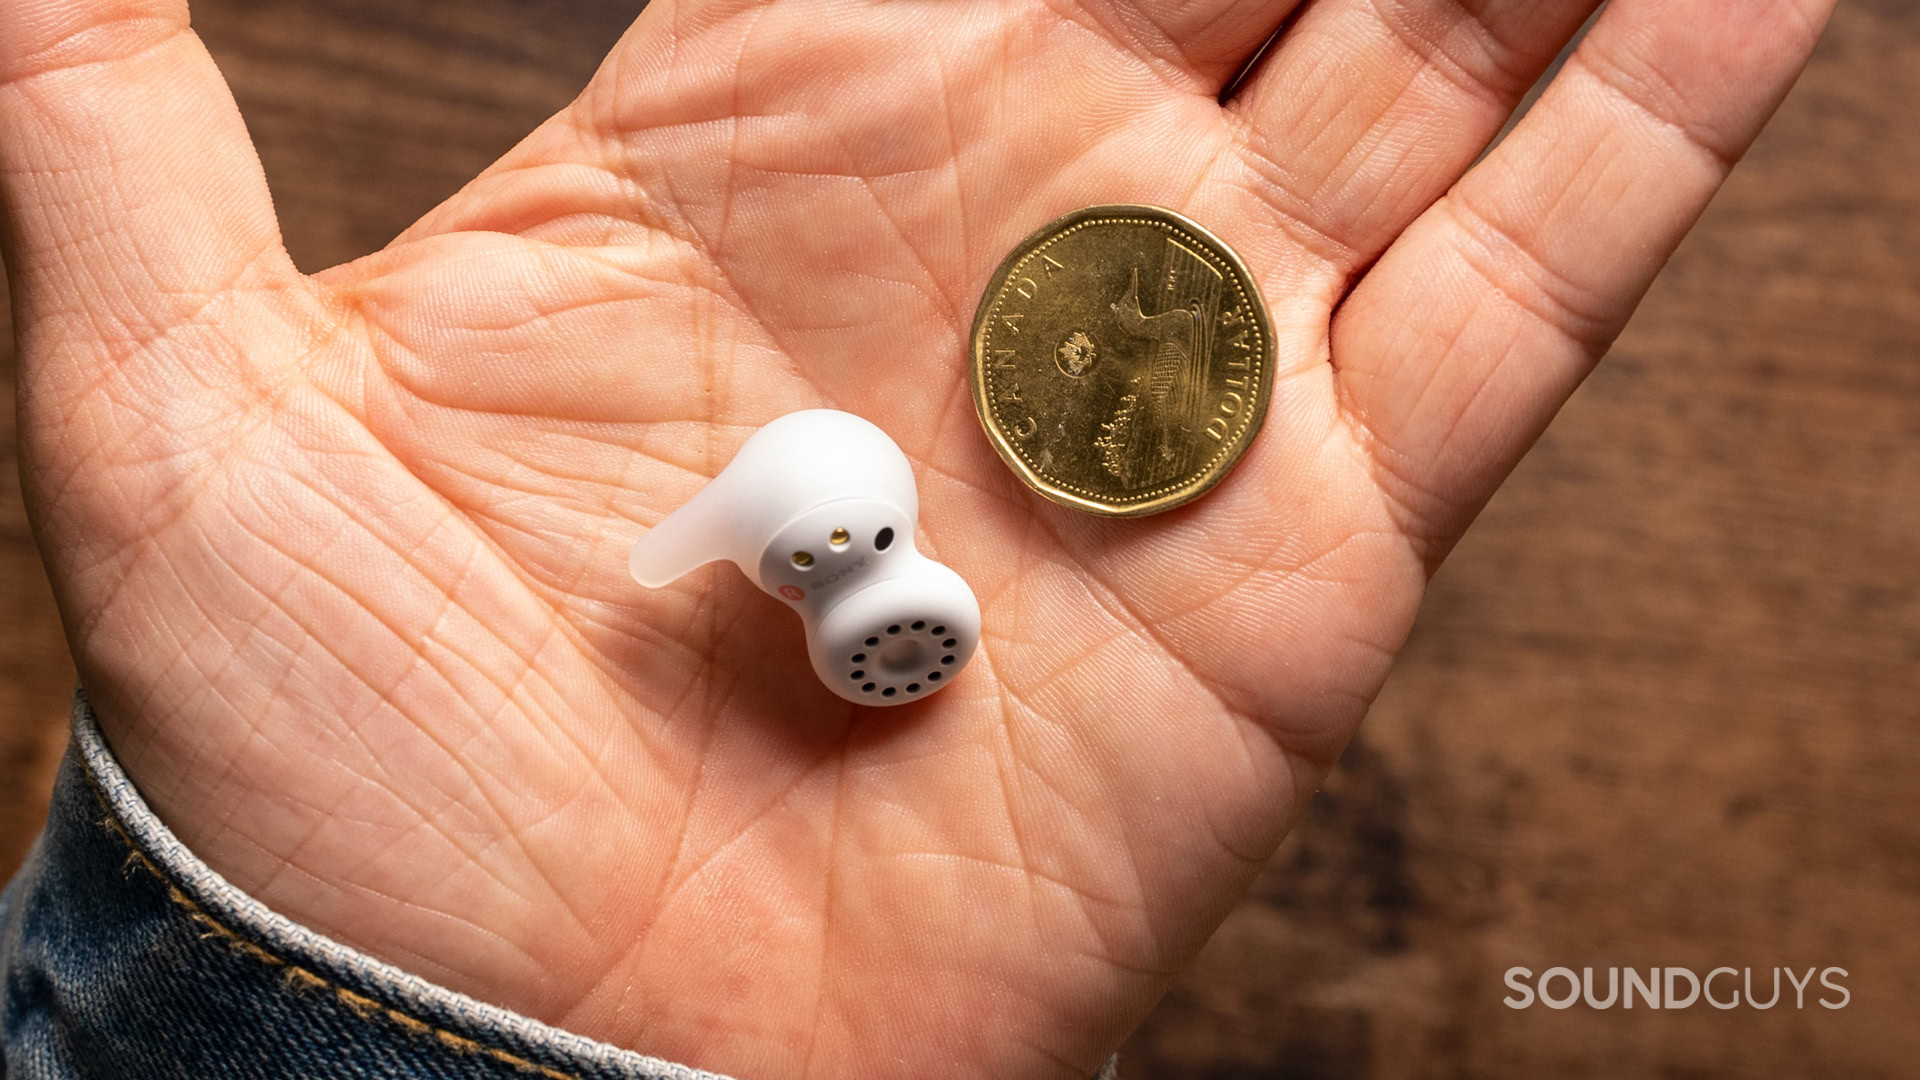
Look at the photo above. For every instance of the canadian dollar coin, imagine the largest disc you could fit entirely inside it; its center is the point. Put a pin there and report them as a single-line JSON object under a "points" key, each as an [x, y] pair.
{"points": [[1122, 360]]}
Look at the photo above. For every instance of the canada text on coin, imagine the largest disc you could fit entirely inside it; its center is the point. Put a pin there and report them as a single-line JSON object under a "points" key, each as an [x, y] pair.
{"points": [[1122, 360]]}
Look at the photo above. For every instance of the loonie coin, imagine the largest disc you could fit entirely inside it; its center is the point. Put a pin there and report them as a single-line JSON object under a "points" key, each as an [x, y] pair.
{"points": [[1122, 360]]}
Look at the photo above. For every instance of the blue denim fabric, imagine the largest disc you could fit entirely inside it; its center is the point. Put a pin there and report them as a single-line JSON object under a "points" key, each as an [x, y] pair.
{"points": [[125, 956]]}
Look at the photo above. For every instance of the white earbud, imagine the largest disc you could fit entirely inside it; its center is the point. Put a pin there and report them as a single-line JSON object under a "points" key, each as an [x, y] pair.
{"points": [[818, 509]]}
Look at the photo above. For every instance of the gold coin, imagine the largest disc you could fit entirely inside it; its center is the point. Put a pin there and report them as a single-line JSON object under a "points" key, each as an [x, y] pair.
{"points": [[1122, 360]]}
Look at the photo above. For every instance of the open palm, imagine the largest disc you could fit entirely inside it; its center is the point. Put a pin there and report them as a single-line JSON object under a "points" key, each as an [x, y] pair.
{"points": [[342, 558]]}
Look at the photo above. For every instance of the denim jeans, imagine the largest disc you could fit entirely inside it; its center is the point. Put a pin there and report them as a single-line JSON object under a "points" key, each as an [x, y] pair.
{"points": [[125, 956]]}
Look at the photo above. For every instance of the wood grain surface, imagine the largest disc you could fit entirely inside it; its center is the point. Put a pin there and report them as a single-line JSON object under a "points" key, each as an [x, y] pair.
{"points": [[1662, 706]]}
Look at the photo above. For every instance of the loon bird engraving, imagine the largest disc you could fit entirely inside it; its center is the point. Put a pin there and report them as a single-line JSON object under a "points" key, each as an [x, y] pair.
{"points": [[1180, 336]]}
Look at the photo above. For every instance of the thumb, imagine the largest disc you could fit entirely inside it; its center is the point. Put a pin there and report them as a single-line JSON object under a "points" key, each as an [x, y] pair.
{"points": [[133, 199]]}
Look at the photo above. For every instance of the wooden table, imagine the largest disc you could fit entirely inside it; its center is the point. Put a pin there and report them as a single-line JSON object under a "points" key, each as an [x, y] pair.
{"points": [[1662, 707]]}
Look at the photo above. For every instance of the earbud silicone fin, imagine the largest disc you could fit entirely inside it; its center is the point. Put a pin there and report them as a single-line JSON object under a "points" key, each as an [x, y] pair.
{"points": [[704, 530]]}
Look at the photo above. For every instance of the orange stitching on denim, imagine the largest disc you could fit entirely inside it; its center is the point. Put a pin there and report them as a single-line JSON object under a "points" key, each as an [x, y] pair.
{"points": [[299, 978]]}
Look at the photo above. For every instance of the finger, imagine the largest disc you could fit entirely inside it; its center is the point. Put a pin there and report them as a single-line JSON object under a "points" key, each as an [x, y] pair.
{"points": [[132, 194], [1456, 349], [1367, 110]]}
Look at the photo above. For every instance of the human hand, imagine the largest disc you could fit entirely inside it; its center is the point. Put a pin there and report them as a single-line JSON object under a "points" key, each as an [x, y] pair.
{"points": [[343, 558]]}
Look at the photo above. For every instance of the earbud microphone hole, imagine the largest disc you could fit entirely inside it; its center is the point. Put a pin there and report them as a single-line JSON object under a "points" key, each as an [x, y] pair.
{"points": [[883, 539]]}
